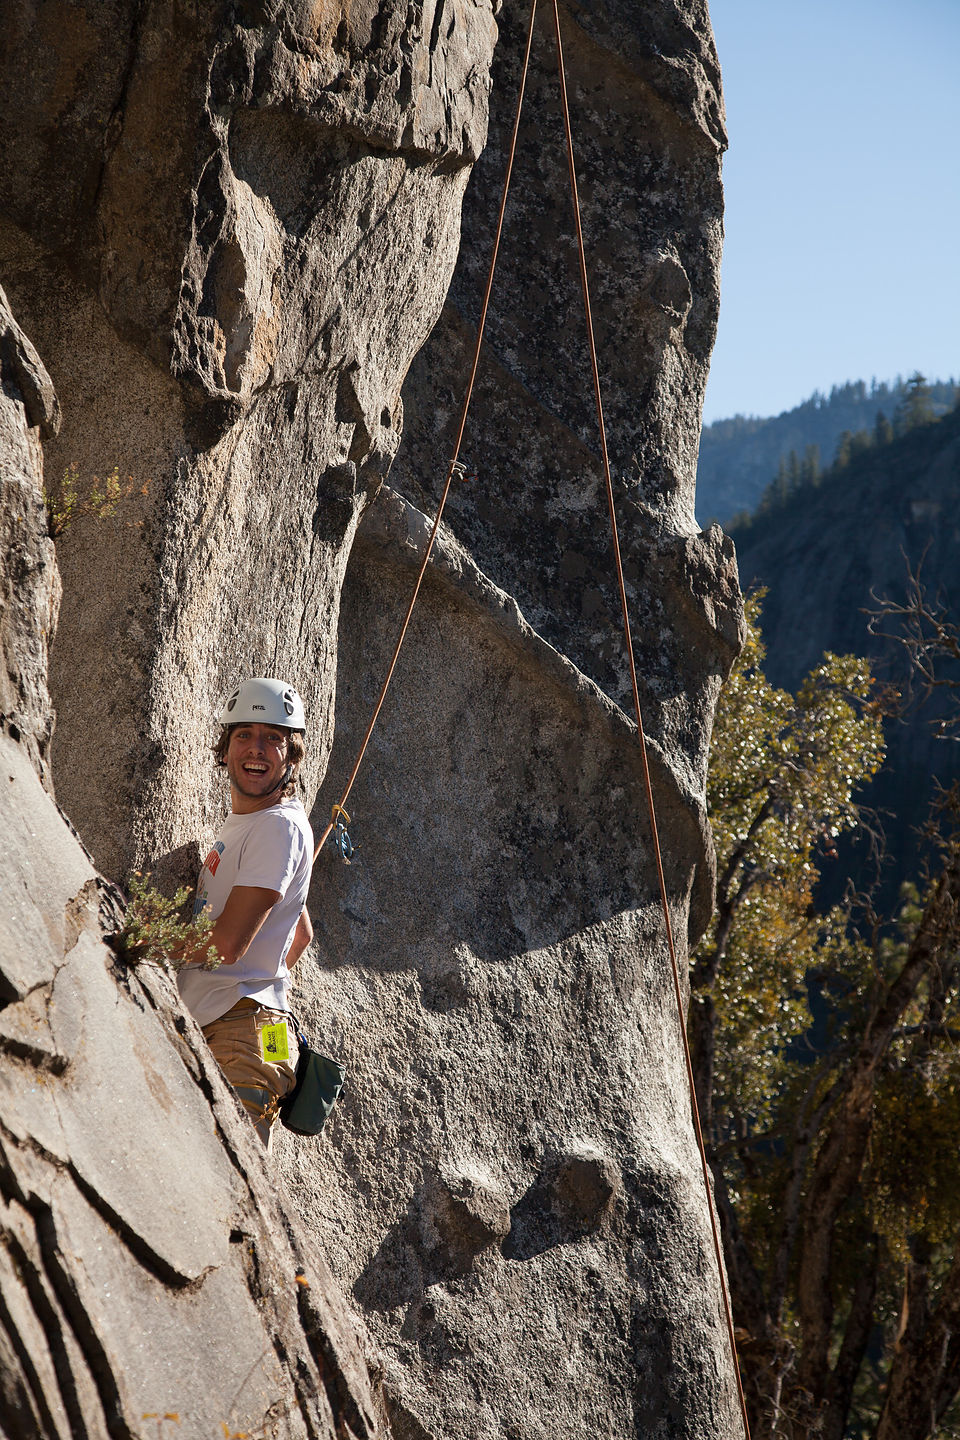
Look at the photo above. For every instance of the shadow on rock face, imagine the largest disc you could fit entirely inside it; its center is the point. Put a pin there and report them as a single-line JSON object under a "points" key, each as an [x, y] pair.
{"points": [[455, 1215], [179, 867], [570, 1198], [404, 1425]]}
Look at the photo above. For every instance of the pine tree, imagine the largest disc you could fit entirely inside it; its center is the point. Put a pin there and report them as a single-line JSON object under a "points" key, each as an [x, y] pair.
{"points": [[793, 470], [842, 455], [810, 465], [861, 440], [916, 406], [882, 429]]}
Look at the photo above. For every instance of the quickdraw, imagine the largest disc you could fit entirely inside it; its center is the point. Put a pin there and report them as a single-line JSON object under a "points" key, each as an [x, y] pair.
{"points": [[340, 838]]}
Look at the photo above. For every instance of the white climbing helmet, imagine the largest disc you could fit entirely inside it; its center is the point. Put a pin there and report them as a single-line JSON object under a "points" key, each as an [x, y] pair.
{"points": [[267, 700]]}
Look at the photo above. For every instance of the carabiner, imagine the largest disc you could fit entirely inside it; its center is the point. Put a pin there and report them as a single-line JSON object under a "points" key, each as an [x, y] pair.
{"points": [[340, 839]]}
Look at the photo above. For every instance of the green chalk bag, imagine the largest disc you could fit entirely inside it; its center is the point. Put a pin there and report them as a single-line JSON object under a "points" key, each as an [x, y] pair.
{"points": [[319, 1082]]}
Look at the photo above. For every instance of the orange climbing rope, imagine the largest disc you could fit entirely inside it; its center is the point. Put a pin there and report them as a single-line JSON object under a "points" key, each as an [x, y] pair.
{"points": [[628, 640], [338, 809], [453, 467]]}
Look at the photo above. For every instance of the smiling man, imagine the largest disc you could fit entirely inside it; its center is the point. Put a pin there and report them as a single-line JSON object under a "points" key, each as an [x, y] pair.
{"points": [[254, 885]]}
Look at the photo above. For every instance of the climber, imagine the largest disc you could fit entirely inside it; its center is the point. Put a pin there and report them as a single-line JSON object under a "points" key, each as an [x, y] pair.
{"points": [[254, 885]]}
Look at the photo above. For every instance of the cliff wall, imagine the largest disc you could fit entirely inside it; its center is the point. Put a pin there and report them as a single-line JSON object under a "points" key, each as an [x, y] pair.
{"points": [[150, 1279], [512, 1192], [256, 220], [228, 230]]}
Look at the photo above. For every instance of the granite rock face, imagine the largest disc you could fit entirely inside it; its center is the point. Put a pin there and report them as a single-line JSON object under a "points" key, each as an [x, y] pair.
{"points": [[511, 1186], [29, 580], [257, 219], [648, 125], [229, 229], [150, 1279]]}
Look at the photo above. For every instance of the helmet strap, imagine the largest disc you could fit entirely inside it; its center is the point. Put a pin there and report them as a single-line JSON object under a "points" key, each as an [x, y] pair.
{"points": [[284, 780]]}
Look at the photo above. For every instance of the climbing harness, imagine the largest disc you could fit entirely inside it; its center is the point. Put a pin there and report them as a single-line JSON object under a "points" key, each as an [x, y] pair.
{"points": [[456, 468], [266, 1102]]}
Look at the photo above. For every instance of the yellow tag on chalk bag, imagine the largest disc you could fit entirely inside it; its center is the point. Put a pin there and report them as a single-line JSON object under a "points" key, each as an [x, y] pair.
{"points": [[275, 1043]]}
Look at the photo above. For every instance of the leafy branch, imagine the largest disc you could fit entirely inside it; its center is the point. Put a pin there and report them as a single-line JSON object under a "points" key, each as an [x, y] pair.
{"points": [[924, 627], [826, 1058], [155, 933], [66, 502]]}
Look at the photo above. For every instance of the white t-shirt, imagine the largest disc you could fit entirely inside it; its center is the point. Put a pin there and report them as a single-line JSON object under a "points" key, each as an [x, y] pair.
{"points": [[272, 849]]}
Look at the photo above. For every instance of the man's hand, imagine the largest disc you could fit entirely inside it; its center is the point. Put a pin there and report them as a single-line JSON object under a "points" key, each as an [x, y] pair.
{"points": [[238, 922]]}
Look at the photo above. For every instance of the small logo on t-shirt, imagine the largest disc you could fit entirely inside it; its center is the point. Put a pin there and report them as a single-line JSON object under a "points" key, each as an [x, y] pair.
{"points": [[213, 859]]}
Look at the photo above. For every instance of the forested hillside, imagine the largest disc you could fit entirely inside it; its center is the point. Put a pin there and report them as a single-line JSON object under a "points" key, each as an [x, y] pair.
{"points": [[829, 550], [823, 1016], [740, 456]]}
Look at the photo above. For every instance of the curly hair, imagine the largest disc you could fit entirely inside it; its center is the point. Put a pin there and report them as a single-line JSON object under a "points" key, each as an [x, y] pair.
{"points": [[296, 750]]}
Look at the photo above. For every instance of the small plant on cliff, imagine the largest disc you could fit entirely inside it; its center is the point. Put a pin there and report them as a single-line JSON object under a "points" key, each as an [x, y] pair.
{"points": [[67, 502], [156, 933]]}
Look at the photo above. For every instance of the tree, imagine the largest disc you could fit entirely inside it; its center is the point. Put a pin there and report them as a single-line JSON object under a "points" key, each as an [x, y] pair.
{"points": [[860, 441], [825, 1058], [793, 470], [810, 465], [923, 625], [916, 406], [841, 457], [882, 429]]}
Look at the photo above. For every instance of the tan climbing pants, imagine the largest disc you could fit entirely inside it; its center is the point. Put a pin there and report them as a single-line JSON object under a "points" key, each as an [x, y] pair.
{"points": [[238, 1043]]}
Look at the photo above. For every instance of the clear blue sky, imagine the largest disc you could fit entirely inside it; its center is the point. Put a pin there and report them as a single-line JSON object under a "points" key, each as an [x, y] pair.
{"points": [[842, 181]]}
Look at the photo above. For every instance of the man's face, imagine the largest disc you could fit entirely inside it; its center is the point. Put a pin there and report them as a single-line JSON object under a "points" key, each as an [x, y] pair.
{"points": [[256, 759]]}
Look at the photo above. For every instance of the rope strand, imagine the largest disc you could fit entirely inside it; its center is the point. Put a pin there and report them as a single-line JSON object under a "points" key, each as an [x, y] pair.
{"points": [[451, 471], [459, 441], [628, 640]]}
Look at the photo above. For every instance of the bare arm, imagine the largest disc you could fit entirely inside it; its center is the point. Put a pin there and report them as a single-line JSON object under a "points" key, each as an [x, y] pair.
{"points": [[238, 922], [301, 939]]}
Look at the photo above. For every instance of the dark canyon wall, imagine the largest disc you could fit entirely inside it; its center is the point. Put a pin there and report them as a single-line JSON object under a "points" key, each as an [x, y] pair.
{"points": [[229, 231]]}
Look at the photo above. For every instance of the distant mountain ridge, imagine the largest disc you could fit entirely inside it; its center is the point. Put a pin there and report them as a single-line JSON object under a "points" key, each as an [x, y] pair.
{"points": [[740, 456]]}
